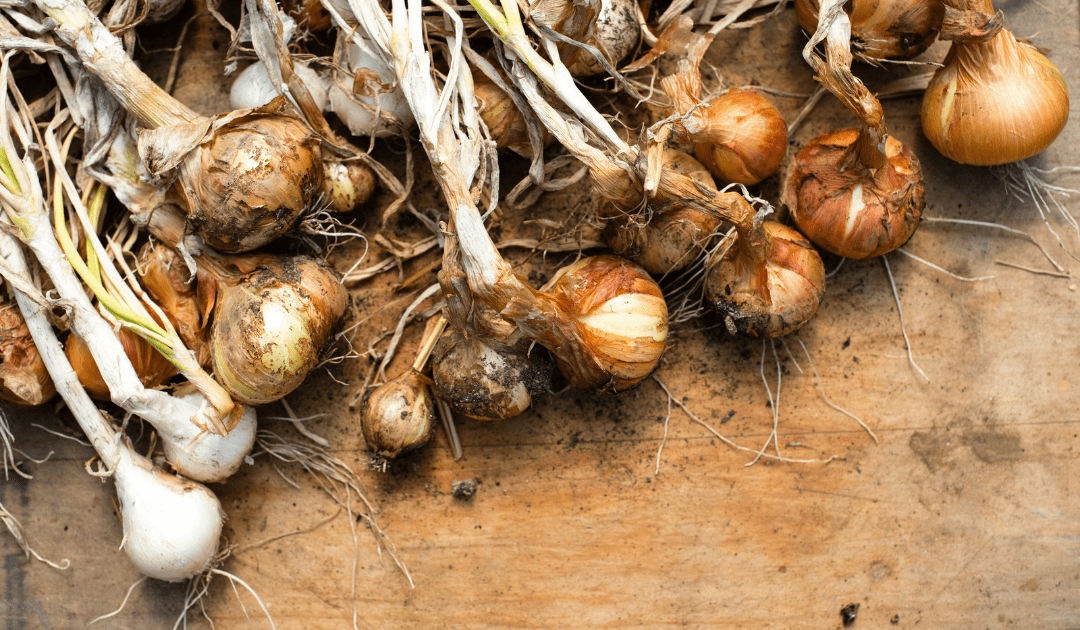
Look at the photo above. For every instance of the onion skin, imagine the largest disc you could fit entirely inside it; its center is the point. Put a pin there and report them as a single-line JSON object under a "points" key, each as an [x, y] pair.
{"points": [[994, 102], [621, 318], [851, 210], [484, 379], [673, 235], [152, 367], [271, 328], [398, 416], [745, 138], [24, 379], [615, 31], [772, 299], [252, 180], [165, 277], [883, 29]]}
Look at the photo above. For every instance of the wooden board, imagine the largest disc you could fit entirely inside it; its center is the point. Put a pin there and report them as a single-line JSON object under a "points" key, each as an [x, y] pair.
{"points": [[964, 515]]}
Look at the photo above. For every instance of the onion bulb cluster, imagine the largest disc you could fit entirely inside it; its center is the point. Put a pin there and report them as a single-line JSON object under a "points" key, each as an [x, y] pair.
{"points": [[994, 102], [848, 208], [271, 327], [166, 279], [884, 29], [672, 234], [769, 298], [483, 378], [621, 318]]}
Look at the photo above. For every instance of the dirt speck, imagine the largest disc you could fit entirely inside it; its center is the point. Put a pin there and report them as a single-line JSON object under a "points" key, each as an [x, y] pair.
{"points": [[931, 449], [464, 489], [994, 447], [1030, 586], [879, 571], [849, 613]]}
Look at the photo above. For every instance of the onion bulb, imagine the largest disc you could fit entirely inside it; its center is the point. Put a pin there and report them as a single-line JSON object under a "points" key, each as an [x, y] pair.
{"points": [[253, 87], [740, 136], [372, 90], [616, 33], [883, 29], [24, 379], [994, 102], [850, 209], [771, 298], [674, 233], [171, 526], [151, 366], [398, 416], [166, 279], [346, 186], [271, 326], [484, 379], [503, 119], [620, 316]]}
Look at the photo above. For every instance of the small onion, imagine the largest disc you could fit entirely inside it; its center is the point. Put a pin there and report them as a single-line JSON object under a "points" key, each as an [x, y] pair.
{"points": [[621, 318], [849, 209], [884, 29], [616, 32], [398, 416], [347, 185], [372, 76], [24, 379], [484, 379], [744, 138], [151, 366], [674, 234], [271, 328], [769, 299], [994, 102]]}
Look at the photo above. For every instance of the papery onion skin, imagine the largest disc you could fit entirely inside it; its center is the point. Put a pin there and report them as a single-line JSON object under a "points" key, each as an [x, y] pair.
{"points": [[252, 181], [674, 233], [995, 102], [772, 299], [151, 366], [398, 416], [166, 279], [616, 30], [884, 29], [483, 379], [852, 211], [24, 379], [503, 119], [746, 137], [270, 330], [621, 318]]}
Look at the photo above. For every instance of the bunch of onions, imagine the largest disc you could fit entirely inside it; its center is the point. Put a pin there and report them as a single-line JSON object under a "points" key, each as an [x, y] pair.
{"points": [[857, 193], [245, 177], [740, 136], [273, 315], [24, 380], [995, 100], [771, 299], [398, 417], [887, 29], [673, 233]]}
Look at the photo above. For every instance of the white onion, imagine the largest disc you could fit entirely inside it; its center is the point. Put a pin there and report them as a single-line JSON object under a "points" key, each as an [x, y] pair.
{"points": [[358, 119], [253, 87], [204, 456], [171, 526], [616, 30]]}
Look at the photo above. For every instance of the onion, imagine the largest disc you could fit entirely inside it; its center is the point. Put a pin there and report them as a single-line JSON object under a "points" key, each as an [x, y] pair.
{"points": [[24, 380], [245, 177], [771, 298], [484, 379], [374, 88], [165, 278], [501, 116], [673, 234], [995, 101], [152, 366], [883, 29], [621, 318], [347, 185], [616, 33], [739, 136], [271, 326], [397, 418], [849, 209], [253, 87]]}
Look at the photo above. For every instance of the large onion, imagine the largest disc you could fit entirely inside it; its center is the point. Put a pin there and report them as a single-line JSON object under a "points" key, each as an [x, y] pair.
{"points": [[883, 29]]}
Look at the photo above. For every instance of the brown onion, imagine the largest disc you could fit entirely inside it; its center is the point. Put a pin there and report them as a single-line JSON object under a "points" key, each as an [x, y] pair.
{"points": [[503, 119], [484, 379], [24, 379], [883, 29], [151, 366], [994, 102], [271, 327], [398, 416], [620, 316], [768, 299], [849, 209], [673, 234], [346, 185], [166, 279]]}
